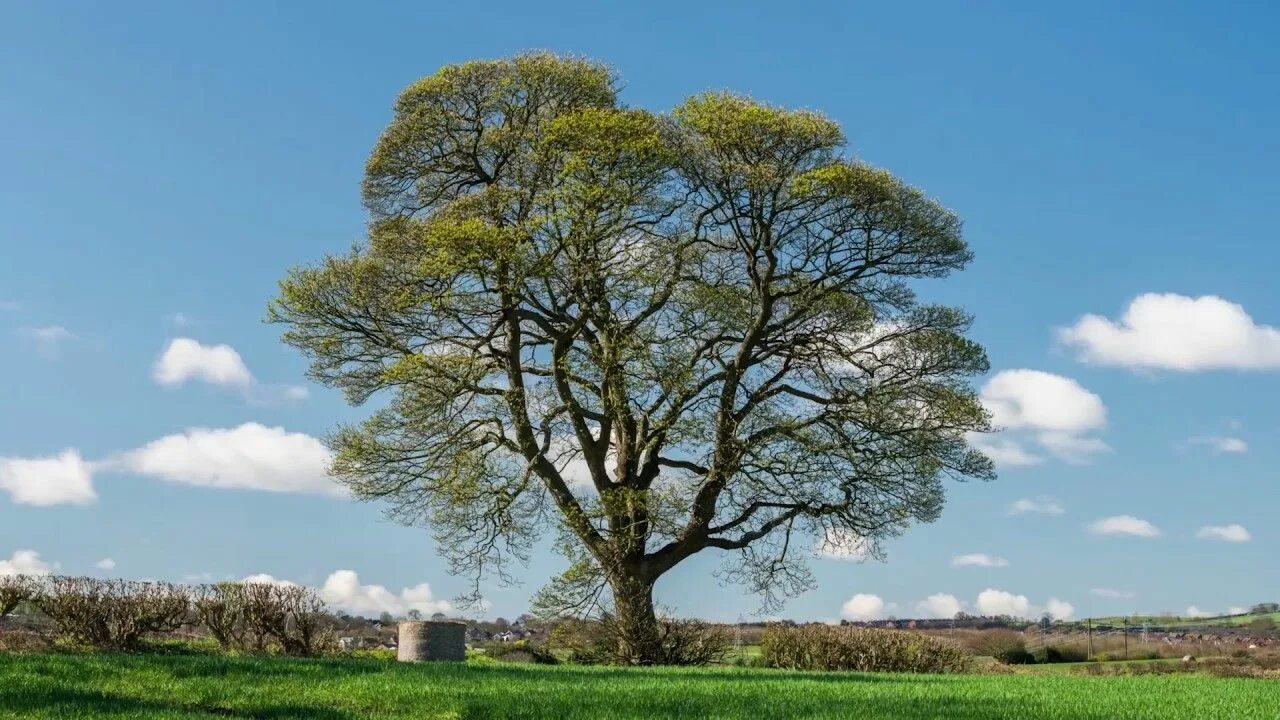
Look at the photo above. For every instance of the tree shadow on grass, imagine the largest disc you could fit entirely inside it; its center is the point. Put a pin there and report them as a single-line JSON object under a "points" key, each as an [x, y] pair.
{"points": [[69, 702]]}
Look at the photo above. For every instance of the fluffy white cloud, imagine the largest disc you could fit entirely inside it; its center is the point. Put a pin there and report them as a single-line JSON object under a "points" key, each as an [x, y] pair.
{"points": [[1042, 401], [1041, 506], [1227, 533], [1112, 594], [979, 560], [105, 564], [1059, 609], [1054, 411], [1000, 602], [344, 591], [844, 545], [265, 579], [1168, 331], [1196, 612], [1003, 451], [940, 605], [863, 607], [249, 456], [25, 562], [1237, 610], [186, 359], [1123, 525], [64, 479]]}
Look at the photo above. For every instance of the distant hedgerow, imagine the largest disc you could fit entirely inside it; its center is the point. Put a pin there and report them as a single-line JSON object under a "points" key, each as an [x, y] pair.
{"points": [[824, 647]]}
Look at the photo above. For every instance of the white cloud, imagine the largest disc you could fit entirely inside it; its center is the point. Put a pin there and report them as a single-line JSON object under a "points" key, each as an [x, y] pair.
{"points": [[296, 392], [249, 456], [1237, 610], [1059, 609], [105, 564], [999, 602], [1168, 331], [1041, 506], [1196, 612], [1039, 400], [1112, 594], [1227, 533], [1054, 411], [979, 560], [1123, 525], [47, 339], [840, 544], [940, 605], [265, 579], [344, 591], [64, 479], [863, 607], [1003, 451], [1223, 444], [186, 359], [25, 562]]}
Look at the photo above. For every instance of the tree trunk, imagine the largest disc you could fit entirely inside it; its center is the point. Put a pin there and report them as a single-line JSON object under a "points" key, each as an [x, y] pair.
{"points": [[635, 623]]}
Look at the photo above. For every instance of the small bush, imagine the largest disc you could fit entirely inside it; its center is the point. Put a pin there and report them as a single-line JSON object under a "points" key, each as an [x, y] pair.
{"points": [[111, 614], [1007, 646], [520, 651], [680, 641], [823, 647], [691, 642], [1060, 654], [257, 617], [14, 590]]}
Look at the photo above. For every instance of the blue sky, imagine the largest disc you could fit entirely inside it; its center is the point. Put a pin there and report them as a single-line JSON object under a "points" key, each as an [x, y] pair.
{"points": [[162, 165]]}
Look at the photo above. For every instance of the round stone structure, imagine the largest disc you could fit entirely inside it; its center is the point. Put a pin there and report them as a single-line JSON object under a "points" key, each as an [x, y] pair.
{"points": [[422, 640]]}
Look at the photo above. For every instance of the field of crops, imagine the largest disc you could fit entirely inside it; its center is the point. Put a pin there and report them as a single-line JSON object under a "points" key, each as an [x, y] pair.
{"points": [[184, 686]]}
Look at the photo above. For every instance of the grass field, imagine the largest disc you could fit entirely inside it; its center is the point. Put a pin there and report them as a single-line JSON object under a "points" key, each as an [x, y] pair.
{"points": [[175, 686]]}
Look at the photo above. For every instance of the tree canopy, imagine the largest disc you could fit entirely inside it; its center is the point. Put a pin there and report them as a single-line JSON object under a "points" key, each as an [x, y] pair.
{"points": [[655, 334]]}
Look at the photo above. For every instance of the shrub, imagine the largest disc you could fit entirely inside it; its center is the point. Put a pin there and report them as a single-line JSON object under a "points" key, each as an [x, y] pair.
{"points": [[1060, 654], [1007, 646], [824, 647], [256, 617], [14, 590], [680, 641], [114, 614], [220, 610], [520, 651]]}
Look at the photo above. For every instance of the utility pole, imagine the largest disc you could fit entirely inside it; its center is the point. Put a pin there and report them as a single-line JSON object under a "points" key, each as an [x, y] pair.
{"points": [[1126, 637]]}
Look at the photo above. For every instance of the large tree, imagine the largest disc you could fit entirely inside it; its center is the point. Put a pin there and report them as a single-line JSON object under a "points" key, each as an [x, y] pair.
{"points": [[655, 334]]}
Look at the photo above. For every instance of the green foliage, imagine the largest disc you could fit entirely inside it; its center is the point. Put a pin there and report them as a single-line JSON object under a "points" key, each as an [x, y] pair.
{"points": [[826, 647], [708, 318], [1060, 654], [1007, 646]]}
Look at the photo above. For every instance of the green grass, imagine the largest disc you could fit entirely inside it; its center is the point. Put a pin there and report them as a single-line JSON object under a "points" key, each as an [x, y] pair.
{"points": [[176, 686]]}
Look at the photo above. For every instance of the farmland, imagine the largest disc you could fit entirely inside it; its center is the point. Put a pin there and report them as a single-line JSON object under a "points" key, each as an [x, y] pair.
{"points": [[191, 686]]}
